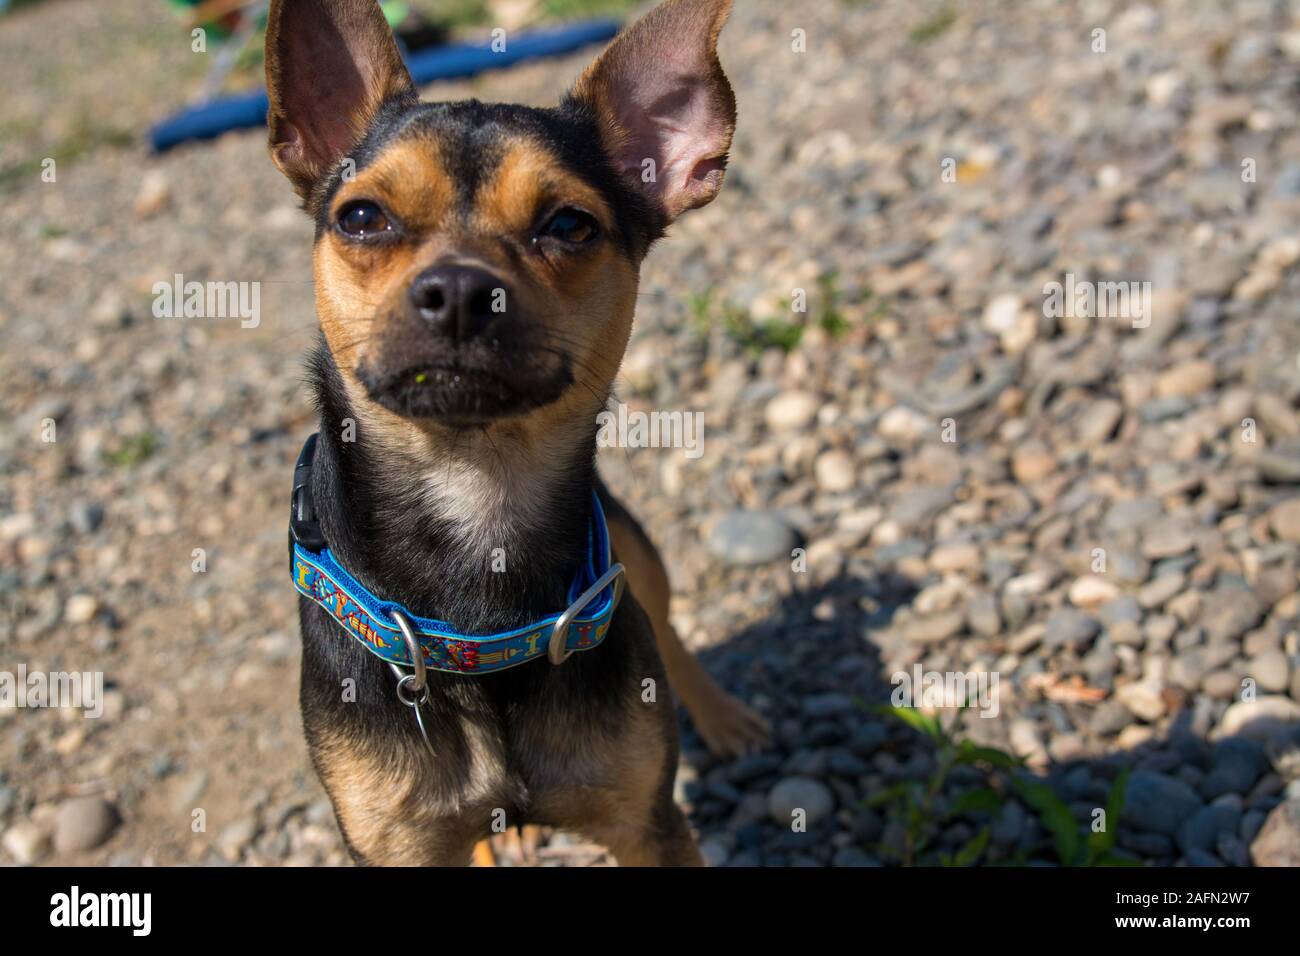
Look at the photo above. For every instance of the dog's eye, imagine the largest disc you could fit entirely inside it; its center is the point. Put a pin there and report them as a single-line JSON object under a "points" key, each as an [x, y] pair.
{"points": [[362, 219], [572, 226]]}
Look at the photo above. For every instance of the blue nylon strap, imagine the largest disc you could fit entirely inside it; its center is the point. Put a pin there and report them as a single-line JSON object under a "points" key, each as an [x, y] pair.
{"points": [[318, 576]]}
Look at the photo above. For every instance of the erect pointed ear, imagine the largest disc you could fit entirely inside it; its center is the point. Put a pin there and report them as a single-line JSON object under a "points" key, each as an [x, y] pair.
{"points": [[330, 65], [665, 107]]}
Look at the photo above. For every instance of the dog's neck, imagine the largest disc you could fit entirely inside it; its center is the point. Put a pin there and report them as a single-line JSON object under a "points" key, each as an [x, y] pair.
{"points": [[482, 530]]}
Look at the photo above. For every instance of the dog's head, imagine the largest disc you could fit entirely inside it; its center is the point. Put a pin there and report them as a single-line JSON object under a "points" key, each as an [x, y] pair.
{"points": [[477, 263]]}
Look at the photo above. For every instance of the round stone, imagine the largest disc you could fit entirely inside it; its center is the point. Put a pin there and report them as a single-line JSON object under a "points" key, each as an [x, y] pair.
{"points": [[1271, 670], [1092, 591], [83, 823], [791, 410], [751, 537], [1285, 520], [1272, 717], [1031, 464], [940, 627], [1188, 379], [959, 556], [26, 842], [80, 609], [834, 471], [795, 794], [902, 424]]}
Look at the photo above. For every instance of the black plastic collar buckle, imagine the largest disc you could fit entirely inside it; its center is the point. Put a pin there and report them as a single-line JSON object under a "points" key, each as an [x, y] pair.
{"points": [[304, 529]]}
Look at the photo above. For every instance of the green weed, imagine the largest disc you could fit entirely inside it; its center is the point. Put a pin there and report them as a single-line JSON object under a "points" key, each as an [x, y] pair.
{"points": [[916, 805]]}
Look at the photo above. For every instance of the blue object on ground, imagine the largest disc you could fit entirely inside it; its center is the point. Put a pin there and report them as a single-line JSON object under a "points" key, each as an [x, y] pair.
{"points": [[211, 119]]}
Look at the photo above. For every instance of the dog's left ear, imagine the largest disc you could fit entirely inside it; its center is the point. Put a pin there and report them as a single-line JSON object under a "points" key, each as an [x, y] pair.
{"points": [[330, 65], [665, 107]]}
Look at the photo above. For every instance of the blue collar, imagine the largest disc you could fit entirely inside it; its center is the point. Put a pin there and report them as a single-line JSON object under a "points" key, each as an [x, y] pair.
{"points": [[375, 622]]}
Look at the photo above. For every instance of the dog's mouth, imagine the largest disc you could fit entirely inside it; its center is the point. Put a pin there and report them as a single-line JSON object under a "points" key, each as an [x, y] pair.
{"points": [[463, 396]]}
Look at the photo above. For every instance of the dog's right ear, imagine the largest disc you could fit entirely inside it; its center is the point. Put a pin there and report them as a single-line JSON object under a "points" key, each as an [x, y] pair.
{"points": [[330, 65]]}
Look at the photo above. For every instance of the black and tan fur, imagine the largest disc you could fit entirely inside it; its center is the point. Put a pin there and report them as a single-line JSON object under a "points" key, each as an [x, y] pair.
{"points": [[481, 436]]}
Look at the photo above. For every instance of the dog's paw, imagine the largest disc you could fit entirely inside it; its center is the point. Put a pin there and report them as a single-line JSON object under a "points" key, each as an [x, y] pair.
{"points": [[517, 846], [729, 727]]}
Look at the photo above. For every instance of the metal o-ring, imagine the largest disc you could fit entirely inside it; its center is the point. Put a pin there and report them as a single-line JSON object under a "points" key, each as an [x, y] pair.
{"points": [[411, 701]]}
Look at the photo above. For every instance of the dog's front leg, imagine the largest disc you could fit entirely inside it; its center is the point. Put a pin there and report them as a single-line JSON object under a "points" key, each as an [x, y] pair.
{"points": [[666, 841]]}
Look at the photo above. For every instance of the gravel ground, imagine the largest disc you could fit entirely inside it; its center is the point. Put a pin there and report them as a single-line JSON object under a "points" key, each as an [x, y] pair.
{"points": [[1095, 505]]}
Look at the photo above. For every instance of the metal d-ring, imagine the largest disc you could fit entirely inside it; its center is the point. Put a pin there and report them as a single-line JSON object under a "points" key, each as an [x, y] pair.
{"points": [[555, 649], [416, 653], [415, 684]]}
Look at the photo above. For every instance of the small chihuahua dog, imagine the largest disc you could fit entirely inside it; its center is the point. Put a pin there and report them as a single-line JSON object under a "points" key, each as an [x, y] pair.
{"points": [[476, 270]]}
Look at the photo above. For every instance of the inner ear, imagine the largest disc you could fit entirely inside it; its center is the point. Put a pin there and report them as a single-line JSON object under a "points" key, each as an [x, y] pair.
{"points": [[323, 86], [330, 65], [666, 110]]}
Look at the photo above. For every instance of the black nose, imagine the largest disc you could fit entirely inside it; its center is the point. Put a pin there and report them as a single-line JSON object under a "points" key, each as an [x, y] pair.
{"points": [[459, 302]]}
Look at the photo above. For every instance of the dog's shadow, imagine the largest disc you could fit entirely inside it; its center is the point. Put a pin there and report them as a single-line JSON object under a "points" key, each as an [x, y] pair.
{"points": [[815, 669]]}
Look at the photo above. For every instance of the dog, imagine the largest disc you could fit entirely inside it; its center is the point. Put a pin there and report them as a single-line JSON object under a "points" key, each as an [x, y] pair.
{"points": [[476, 270]]}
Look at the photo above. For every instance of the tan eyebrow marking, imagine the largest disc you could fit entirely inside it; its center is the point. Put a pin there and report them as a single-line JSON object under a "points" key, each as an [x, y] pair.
{"points": [[527, 178], [410, 179]]}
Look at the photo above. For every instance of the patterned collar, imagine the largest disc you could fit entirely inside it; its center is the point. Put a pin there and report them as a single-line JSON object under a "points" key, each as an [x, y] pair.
{"points": [[374, 622]]}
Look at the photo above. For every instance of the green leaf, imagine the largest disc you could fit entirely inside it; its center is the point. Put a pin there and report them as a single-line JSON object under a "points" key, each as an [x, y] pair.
{"points": [[1115, 801], [968, 752], [973, 849], [983, 800], [882, 850], [1055, 816], [920, 842], [934, 26], [926, 724], [892, 793], [133, 450], [1101, 843]]}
